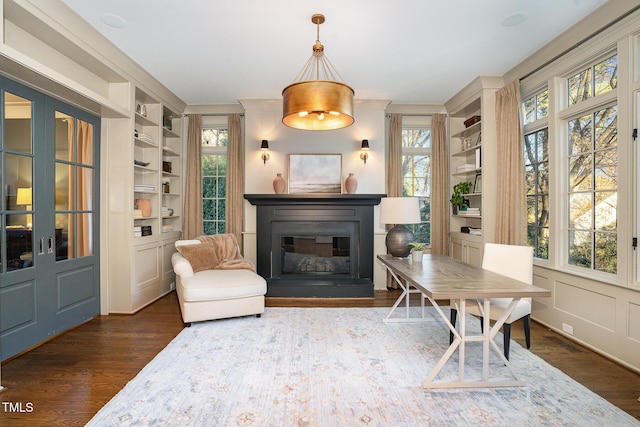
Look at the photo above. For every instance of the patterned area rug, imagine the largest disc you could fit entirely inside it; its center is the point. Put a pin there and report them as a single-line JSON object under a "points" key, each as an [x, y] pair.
{"points": [[339, 367]]}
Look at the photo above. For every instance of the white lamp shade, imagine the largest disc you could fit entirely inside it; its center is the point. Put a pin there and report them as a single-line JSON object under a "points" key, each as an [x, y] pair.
{"points": [[399, 210], [24, 196]]}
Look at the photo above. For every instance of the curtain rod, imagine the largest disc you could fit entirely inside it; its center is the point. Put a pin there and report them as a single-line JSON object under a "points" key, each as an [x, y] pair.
{"points": [[387, 115], [581, 42], [214, 114]]}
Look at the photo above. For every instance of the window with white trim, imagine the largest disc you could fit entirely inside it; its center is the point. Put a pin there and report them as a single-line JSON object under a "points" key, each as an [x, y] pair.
{"points": [[214, 176], [592, 150], [535, 113], [416, 172]]}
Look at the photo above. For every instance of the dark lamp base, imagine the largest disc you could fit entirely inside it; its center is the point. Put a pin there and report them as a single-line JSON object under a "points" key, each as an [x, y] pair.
{"points": [[397, 241]]}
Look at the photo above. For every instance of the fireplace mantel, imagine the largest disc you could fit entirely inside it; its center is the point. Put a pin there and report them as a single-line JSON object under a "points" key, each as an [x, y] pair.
{"points": [[323, 215], [314, 199]]}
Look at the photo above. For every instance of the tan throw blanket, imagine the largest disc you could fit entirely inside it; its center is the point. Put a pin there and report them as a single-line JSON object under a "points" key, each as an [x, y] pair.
{"points": [[227, 254]]}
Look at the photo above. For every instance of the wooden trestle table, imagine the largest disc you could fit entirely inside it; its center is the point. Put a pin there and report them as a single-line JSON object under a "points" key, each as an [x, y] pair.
{"points": [[439, 277]]}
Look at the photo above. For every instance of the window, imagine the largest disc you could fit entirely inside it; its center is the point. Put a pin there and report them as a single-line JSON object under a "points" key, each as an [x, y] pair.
{"points": [[593, 190], [586, 161], [416, 175], [535, 111], [592, 149], [593, 81], [214, 178]]}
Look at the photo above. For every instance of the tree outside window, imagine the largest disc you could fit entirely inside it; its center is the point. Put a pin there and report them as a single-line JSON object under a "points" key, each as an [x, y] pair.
{"points": [[214, 179], [416, 177], [535, 112]]}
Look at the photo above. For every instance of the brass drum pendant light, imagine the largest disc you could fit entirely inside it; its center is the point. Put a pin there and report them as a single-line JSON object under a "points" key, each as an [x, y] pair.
{"points": [[318, 99]]}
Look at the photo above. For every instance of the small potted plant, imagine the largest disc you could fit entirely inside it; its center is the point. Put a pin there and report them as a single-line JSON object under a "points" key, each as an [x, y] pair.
{"points": [[457, 198], [417, 250]]}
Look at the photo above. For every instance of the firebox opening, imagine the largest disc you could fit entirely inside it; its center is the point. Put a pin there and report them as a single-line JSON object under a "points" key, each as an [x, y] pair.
{"points": [[315, 254]]}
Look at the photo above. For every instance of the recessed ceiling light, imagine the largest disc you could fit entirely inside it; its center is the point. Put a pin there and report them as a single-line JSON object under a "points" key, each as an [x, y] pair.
{"points": [[113, 20], [513, 20]]}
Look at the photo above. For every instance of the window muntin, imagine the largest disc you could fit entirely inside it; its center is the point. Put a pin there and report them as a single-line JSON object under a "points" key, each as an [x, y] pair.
{"points": [[598, 79], [416, 177], [593, 190], [214, 179]]}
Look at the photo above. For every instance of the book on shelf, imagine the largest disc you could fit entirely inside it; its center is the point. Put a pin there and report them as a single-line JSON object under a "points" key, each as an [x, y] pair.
{"points": [[144, 187], [470, 212], [466, 167], [144, 137]]}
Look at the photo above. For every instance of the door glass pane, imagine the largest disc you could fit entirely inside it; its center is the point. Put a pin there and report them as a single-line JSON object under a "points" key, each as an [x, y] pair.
{"points": [[18, 124], [84, 238], [85, 143], [64, 137], [63, 249], [64, 187], [85, 185], [18, 176], [19, 241]]}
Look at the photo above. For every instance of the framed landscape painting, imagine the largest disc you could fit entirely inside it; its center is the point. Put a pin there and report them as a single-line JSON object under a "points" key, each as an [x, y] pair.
{"points": [[315, 173]]}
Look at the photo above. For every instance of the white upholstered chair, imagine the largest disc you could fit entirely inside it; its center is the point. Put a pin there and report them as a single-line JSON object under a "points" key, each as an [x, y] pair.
{"points": [[511, 261], [208, 293]]}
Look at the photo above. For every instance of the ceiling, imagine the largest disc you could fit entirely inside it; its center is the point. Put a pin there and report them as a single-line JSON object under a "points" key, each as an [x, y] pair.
{"points": [[407, 51]]}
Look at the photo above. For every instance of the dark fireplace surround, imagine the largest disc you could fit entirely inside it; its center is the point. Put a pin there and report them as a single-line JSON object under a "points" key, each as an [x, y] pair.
{"points": [[315, 245]]}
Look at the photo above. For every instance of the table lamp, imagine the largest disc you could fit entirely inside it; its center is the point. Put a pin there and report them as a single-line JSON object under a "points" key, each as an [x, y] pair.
{"points": [[24, 197], [399, 211]]}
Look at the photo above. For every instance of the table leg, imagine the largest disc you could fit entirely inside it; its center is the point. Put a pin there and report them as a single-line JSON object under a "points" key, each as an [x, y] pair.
{"points": [[459, 341], [406, 293]]}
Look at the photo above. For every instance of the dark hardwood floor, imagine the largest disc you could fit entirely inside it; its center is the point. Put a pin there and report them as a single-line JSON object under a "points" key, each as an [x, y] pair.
{"points": [[68, 379]]}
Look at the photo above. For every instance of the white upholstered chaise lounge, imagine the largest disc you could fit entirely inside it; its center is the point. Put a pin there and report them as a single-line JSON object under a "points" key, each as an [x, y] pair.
{"points": [[213, 281]]}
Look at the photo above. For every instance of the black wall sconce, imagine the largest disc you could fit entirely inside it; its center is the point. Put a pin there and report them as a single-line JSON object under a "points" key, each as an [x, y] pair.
{"points": [[265, 151], [364, 150]]}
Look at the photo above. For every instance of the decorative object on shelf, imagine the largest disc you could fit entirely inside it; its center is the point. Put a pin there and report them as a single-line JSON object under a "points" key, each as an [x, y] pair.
{"points": [[399, 211], [141, 109], [479, 139], [457, 198], [318, 99], [264, 147], [166, 122], [279, 184], [477, 185], [166, 166], [471, 121], [351, 184], [364, 150], [144, 205], [315, 173], [417, 250], [166, 185]]}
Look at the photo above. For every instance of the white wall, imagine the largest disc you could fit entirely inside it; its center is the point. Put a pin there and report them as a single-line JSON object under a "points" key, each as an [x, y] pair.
{"points": [[263, 120]]}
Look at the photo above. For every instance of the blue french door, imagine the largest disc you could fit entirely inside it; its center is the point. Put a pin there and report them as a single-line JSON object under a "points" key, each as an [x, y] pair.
{"points": [[49, 261]]}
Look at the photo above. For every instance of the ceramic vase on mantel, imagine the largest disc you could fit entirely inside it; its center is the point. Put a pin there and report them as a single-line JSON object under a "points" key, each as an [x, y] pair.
{"points": [[279, 184], [351, 184]]}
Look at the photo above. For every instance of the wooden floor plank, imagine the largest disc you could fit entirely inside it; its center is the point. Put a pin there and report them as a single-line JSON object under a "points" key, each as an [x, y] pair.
{"points": [[68, 379]]}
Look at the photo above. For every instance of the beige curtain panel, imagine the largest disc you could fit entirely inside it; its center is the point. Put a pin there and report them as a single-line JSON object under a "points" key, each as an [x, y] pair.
{"points": [[511, 201], [235, 180], [394, 170], [439, 186], [192, 226]]}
